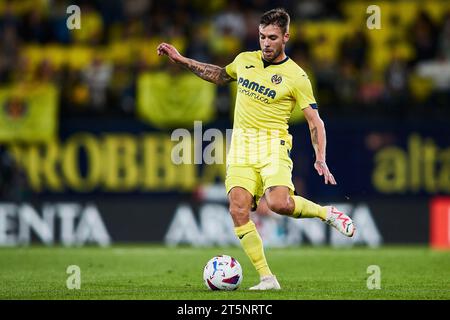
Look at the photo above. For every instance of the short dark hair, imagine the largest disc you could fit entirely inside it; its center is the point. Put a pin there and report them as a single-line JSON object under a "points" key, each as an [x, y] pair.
{"points": [[278, 17]]}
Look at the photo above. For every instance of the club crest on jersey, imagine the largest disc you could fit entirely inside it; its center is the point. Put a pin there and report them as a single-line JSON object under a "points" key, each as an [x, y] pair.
{"points": [[276, 79]]}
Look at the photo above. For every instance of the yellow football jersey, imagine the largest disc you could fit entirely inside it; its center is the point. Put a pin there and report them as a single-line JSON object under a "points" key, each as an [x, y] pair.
{"points": [[267, 93]]}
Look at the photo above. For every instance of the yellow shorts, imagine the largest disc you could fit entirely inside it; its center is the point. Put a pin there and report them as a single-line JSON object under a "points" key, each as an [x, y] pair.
{"points": [[275, 170]]}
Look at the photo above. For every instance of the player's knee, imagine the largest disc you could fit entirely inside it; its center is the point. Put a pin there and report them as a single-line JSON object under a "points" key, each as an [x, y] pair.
{"points": [[239, 213], [279, 206]]}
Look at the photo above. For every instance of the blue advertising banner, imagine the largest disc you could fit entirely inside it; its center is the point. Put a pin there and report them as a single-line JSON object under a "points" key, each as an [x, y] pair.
{"points": [[368, 159], [373, 159]]}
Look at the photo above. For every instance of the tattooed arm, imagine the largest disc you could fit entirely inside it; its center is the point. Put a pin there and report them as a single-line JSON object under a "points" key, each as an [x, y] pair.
{"points": [[208, 72], [319, 142]]}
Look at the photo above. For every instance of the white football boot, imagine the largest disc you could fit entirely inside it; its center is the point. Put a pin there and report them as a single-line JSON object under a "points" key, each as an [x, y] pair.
{"points": [[267, 283], [340, 221]]}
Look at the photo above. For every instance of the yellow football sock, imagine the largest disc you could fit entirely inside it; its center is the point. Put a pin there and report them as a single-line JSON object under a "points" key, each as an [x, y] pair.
{"points": [[308, 209], [253, 247]]}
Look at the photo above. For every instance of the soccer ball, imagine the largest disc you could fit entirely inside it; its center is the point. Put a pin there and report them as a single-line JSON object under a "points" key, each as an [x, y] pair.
{"points": [[222, 273]]}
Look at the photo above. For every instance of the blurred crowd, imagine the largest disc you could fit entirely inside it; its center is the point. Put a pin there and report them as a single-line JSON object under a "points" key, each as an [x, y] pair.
{"points": [[401, 70]]}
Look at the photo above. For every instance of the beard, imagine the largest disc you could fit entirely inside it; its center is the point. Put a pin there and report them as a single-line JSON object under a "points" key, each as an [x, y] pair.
{"points": [[271, 55]]}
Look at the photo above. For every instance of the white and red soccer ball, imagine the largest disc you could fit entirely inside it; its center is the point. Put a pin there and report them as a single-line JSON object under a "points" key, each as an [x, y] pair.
{"points": [[222, 273]]}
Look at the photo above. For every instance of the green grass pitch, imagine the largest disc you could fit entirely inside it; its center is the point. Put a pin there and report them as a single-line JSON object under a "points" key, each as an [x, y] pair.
{"points": [[161, 273]]}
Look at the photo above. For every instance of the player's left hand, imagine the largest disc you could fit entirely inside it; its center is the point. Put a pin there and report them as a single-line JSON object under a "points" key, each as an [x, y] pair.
{"points": [[322, 170]]}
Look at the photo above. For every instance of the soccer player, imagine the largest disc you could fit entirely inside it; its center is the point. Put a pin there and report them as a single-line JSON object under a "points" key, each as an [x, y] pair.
{"points": [[269, 86]]}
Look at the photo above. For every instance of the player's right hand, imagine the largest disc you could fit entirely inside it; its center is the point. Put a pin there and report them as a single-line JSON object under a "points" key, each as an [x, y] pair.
{"points": [[170, 51]]}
